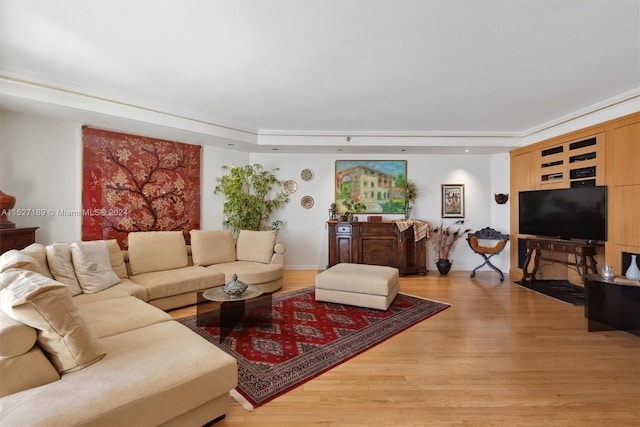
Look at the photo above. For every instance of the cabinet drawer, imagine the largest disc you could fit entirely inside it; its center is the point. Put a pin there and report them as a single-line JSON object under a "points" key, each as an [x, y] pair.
{"points": [[343, 229]]}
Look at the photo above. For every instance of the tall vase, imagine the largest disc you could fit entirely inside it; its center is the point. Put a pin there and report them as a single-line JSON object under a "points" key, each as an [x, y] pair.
{"points": [[633, 272], [7, 203]]}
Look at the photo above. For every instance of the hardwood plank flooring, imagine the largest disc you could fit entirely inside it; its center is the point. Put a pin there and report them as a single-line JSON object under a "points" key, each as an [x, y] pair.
{"points": [[501, 355]]}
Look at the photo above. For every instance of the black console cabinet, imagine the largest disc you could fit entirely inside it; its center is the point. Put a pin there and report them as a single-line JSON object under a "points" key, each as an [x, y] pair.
{"points": [[610, 305]]}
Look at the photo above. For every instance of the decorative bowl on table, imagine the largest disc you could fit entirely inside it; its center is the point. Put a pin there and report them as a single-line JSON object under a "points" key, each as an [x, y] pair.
{"points": [[235, 287]]}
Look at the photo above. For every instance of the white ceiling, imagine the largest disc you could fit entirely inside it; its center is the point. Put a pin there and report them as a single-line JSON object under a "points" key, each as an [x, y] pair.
{"points": [[427, 76]]}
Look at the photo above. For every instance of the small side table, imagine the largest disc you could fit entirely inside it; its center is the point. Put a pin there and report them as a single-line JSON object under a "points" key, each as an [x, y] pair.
{"points": [[251, 308], [612, 304], [16, 238]]}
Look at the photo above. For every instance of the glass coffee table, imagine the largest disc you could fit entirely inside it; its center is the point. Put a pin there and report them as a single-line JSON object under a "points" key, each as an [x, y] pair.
{"points": [[218, 309]]}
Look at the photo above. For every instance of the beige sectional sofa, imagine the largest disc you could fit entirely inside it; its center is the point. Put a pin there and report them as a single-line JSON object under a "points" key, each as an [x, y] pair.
{"points": [[97, 350]]}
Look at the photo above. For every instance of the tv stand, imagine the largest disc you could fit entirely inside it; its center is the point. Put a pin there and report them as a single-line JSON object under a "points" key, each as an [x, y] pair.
{"points": [[583, 261]]}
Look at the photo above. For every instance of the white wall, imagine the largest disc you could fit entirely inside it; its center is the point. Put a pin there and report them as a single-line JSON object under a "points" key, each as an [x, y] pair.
{"points": [[41, 165], [42, 168], [305, 233]]}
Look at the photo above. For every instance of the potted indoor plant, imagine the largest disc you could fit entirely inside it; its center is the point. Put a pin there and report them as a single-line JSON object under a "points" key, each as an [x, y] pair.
{"points": [[444, 240], [249, 197], [410, 194]]}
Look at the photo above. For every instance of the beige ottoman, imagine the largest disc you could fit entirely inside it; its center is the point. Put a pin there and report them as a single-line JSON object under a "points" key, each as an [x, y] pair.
{"points": [[371, 286]]}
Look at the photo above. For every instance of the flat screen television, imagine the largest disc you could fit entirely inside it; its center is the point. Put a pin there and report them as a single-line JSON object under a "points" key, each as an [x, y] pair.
{"points": [[568, 213]]}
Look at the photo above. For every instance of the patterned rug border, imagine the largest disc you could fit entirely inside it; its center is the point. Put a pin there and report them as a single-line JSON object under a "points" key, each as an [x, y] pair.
{"points": [[355, 344]]}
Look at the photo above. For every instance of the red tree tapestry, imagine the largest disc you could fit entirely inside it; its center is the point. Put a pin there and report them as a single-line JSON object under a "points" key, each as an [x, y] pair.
{"points": [[134, 183]]}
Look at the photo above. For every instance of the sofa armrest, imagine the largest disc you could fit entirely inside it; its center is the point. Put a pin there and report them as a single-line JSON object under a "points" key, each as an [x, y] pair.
{"points": [[278, 254]]}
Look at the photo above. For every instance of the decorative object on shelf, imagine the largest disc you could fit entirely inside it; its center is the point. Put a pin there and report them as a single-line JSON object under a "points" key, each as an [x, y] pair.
{"points": [[633, 272], [289, 187], [332, 211], [452, 200], [347, 216], [306, 174], [248, 197], [501, 198], [7, 203], [410, 194], [607, 272], [235, 287], [444, 240], [307, 202]]}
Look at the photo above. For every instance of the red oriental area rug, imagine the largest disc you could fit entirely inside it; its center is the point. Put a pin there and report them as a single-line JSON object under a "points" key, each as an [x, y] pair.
{"points": [[307, 338]]}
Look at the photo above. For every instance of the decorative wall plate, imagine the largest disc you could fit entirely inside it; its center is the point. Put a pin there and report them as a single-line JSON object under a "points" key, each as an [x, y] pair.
{"points": [[307, 202], [289, 187], [306, 174]]}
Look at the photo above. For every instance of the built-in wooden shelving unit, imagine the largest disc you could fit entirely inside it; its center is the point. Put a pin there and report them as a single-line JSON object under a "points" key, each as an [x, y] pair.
{"points": [[603, 154]]}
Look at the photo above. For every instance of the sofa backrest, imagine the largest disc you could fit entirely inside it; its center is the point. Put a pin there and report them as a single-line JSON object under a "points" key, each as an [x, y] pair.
{"points": [[151, 251]]}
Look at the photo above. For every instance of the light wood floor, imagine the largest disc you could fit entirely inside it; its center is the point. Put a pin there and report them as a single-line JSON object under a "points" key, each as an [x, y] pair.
{"points": [[499, 356]]}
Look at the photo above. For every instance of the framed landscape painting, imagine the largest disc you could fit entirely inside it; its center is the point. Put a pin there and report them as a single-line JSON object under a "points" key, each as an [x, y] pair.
{"points": [[452, 200], [370, 186]]}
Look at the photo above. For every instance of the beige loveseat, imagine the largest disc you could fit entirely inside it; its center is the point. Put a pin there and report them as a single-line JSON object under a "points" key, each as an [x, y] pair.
{"points": [[106, 355]]}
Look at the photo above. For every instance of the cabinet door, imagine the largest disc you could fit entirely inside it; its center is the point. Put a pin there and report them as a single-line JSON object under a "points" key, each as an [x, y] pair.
{"points": [[340, 243], [378, 250]]}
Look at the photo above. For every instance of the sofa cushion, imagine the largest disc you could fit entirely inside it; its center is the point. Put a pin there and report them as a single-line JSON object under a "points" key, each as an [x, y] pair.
{"points": [[61, 266], [255, 246], [156, 251], [162, 284], [249, 272], [212, 246], [125, 288], [46, 305], [117, 258], [15, 338], [28, 370], [150, 376], [115, 316], [92, 264], [17, 259]]}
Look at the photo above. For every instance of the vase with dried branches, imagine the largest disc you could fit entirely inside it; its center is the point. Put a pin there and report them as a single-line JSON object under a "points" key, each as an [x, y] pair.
{"points": [[444, 240]]}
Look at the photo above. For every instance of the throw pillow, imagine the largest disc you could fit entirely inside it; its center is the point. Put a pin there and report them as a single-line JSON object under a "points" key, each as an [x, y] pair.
{"points": [[256, 246], [117, 259], [157, 251], [46, 305], [61, 266], [212, 247], [39, 252], [92, 264], [17, 259]]}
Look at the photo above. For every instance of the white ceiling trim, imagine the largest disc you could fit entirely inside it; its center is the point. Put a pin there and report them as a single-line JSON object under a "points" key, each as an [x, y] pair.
{"points": [[98, 111]]}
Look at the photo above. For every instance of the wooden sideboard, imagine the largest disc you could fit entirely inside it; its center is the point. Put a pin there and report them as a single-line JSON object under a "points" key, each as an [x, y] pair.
{"points": [[377, 243], [16, 238]]}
